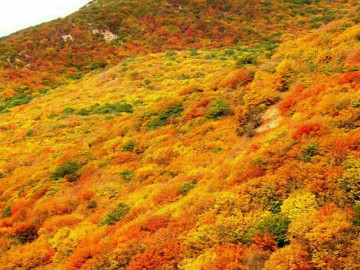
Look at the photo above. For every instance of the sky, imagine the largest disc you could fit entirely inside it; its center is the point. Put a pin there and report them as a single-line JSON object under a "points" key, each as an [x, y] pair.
{"points": [[19, 14]]}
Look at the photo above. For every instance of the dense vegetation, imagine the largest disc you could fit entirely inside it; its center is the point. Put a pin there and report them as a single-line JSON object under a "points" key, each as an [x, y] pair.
{"points": [[221, 135]]}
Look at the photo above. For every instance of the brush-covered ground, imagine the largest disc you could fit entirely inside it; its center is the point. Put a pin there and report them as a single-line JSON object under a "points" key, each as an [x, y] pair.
{"points": [[239, 156]]}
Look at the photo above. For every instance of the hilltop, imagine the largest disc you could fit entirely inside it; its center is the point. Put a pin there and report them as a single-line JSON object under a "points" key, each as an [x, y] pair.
{"points": [[183, 135]]}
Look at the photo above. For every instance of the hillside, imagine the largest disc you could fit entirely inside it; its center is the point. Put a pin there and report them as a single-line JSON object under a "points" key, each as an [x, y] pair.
{"points": [[221, 135], [105, 32]]}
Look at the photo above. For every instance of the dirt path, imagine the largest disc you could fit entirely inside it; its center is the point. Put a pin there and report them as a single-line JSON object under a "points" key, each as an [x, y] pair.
{"points": [[271, 119]]}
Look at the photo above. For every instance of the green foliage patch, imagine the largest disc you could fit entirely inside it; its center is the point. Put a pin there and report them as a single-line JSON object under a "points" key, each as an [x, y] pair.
{"points": [[65, 169], [14, 101], [218, 109], [116, 214]]}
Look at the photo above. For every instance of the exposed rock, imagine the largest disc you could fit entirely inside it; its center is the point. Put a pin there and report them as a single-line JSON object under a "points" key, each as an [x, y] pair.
{"points": [[67, 38]]}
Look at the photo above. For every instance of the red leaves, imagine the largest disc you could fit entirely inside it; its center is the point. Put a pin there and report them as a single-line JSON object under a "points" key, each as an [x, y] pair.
{"points": [[123, 158], [155, 223], [88, 249], [308, 130], [190, 32], [198, 110], [241, 78], [353, 57], [228, 257], [252, 171], [88, 174], [26, 232], [286, 104], [167, 253], [168, 193], [265, 241], [350, 142], [291, 99], [352, 78]]}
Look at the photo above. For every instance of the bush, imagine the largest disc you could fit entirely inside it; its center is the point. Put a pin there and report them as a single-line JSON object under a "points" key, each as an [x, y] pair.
{"points": [[26, 233], [356, 104], [252, 121], [6, 212], [298, 203], [68, 168], [116, 214], [29, 133], [186, 187], [14, 102], [97, 109], [127, 175], [173, 110], [52, 115], [155, 123], [170, 53], [309, 151], [218, 109], [193, 52], [83, 112], [123, 107], [118, 107], [350, 179], [246, 59], [91, 205], [67, 111], [17, 101], [129, 147], [276, 225]]}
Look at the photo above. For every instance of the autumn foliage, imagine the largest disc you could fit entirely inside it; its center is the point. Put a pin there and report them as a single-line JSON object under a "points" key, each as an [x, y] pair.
{"points": [[182, 135]]}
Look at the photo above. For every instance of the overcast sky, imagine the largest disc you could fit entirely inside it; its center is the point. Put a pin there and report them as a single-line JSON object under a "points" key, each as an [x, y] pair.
{"points": [[19, 14]]}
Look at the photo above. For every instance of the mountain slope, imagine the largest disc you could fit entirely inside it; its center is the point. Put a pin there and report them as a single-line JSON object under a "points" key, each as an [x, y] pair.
{"points": [[167, 160], [105, 32]]}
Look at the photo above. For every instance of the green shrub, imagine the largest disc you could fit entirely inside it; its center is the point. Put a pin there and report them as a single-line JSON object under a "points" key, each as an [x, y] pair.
{"points": [[92, 205], [172, 110], [127, 175], [170, 53], [17, 100], [67, 111], [123, 107], [52, 115], [193, 52], [134, 74], [309, 151], [276, 225], [155, 123], [270, 199], [14, 102], [128, 147], [186, 187], [160, 120], [217, 149], [68, 168], [356, 209], [83, 112], [6, 212], [29, 133], [75, 76], [107, 108], [116, 214], [229, 52], [247, 59], [356, 104], [218, 109]]}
